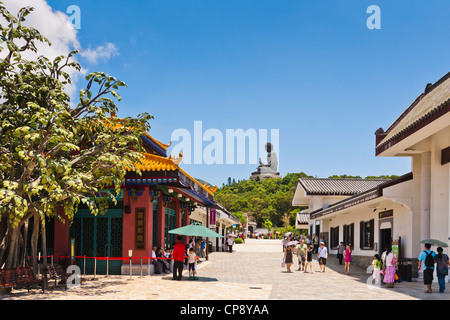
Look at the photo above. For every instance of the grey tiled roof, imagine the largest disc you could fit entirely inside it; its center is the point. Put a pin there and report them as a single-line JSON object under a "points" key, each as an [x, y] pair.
{"points": [[370, 194], [302, 218], [344, 187]]}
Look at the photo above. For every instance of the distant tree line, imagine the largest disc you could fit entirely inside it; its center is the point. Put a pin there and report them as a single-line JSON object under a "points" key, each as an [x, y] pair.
{"points": [[268, 202]]}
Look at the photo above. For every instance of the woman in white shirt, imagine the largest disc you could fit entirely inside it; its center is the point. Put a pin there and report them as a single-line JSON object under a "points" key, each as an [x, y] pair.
{"points": [[390, 261]]}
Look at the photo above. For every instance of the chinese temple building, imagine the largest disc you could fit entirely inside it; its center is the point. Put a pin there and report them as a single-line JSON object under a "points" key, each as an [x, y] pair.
{"points": [[148, 206]]}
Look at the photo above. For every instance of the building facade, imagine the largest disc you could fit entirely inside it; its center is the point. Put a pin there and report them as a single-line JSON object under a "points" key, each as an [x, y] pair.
{"points": [[162, 198], [400, 212]]}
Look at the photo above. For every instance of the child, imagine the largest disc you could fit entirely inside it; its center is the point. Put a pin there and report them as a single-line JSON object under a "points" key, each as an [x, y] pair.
{"points": [[376, 268], [309, 258], [347, 259], [192, 259]]}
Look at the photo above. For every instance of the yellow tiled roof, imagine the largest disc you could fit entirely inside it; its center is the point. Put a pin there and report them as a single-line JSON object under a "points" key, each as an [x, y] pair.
{"points": [[159, 143], [151, 162]]}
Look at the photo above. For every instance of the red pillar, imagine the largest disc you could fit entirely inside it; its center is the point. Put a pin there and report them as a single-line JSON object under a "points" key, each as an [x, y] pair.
{"points": [[61, 246], [129, 223], [186, 223], [178, 215], [161, 221]]}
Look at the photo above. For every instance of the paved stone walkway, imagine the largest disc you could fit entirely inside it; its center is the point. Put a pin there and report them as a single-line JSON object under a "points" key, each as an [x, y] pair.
{"points": [[252, 272]]}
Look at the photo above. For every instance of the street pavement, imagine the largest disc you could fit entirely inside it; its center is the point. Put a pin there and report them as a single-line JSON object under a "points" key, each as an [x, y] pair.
{"points": [[253, 271]]}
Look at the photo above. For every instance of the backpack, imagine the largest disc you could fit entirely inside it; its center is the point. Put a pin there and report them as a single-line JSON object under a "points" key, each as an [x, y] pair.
{"points": [[429, 260], [442, 263]]}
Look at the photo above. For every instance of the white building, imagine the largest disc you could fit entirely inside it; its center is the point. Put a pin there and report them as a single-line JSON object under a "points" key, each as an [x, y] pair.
{"points": [[224, 220], [409, 209]]}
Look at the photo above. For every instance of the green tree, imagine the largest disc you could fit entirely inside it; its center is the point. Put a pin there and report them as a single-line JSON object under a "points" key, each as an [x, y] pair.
{"points": [[54, 154], [268, 224]]}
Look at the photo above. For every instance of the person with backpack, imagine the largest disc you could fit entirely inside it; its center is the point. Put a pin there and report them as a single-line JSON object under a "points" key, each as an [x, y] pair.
{"points": [[427, 258], [442, 263]]}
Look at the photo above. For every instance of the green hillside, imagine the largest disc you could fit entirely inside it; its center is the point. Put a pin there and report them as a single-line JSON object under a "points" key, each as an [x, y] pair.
{"points": [[267, 200]]}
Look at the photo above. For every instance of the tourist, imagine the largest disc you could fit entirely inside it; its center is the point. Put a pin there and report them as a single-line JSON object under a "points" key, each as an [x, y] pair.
{"points": [[288, 258], [442, 263], [301, 254], [186, 252], [230, 243], [340, 252], [347, 259], [315, 242], [164, 264], [383, 258], [322, 255], [308, 240], [178, 258], [168, 256], [198, 247], [427, 259], [203, 248], [390, 262], [377, 265], [309, 254], [192, 260]]}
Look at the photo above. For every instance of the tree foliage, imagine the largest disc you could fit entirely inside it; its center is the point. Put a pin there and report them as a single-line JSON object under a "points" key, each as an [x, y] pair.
{"points": [[264, 200], [54, 154], [269, 202]]}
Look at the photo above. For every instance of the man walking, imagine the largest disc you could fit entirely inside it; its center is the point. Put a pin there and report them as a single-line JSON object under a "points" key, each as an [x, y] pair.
{"points": [[322, 255], [178, 258], [340, 252], [230, 243], [428, 258], [301, 254]]}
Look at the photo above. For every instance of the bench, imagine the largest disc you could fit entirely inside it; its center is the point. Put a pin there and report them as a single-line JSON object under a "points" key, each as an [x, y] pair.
{"points": [[56, 272], [19, 278]]}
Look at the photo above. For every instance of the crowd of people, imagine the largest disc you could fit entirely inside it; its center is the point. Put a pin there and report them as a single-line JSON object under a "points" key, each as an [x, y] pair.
{"points": [[385, 267]]}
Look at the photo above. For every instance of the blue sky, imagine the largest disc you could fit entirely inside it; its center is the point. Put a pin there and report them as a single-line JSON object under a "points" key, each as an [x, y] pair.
{"points": [[311, 69]]}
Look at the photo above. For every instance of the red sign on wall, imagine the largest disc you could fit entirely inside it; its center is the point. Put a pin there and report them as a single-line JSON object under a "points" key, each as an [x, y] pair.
{"points": [[212, 218]]}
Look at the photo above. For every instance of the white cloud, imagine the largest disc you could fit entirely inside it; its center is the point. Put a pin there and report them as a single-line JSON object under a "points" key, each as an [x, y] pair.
{"points": [[55, 26], [104, 52]]}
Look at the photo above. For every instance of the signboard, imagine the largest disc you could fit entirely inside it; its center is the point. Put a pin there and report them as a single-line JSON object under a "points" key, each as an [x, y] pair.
{"points": [[385, 214], [140, 229], [212, 218], [72, 249], [396, 248]]}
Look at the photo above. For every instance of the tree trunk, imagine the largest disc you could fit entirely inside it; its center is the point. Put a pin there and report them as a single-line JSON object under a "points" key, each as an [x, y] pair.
{"points": [[24, 243], [3, 246], [11, 260], [34, 242], [44, 243], [44, 253]]}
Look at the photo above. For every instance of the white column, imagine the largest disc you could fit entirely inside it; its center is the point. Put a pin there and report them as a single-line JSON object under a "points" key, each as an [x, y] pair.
{"points": [[425, 195]]}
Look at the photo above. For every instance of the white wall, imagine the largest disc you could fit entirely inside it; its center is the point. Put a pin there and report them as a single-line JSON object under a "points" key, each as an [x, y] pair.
{"points": [[439, 209], [401, 225]]}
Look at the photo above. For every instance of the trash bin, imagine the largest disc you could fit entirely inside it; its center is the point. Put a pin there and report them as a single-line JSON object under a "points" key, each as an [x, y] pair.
{"points": [[210, 247], [405, 270]]}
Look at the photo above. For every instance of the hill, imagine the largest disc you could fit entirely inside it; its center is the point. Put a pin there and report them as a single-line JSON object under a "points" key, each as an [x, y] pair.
{"points": [[269, 199]]}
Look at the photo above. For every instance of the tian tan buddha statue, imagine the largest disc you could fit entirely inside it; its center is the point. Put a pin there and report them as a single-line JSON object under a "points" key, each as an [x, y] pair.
{"points": [[269, 170]]}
